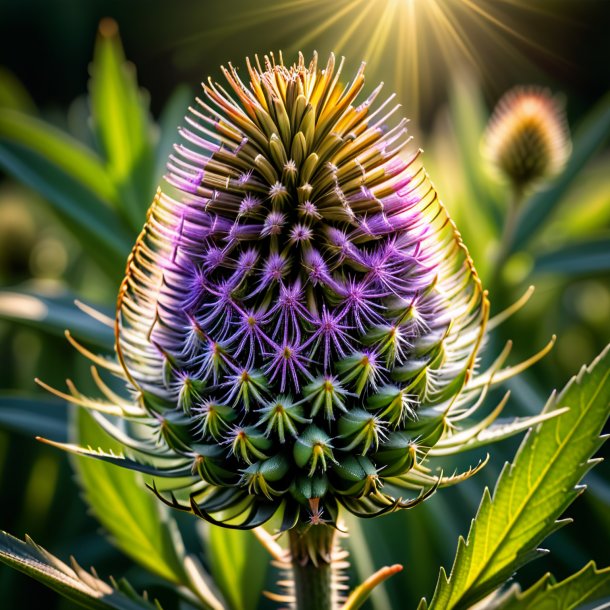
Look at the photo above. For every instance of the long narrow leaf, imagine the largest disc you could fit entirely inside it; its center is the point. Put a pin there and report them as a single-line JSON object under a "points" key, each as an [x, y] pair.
{"points": [[532, 493], [580, 258], [171, 118], [99, 231], [469, 120], [121, 122], [60, 149], [138, 524], [238, 564], [13, 93], [73, 582], [54, 315], [33, 416], [141, 526]]}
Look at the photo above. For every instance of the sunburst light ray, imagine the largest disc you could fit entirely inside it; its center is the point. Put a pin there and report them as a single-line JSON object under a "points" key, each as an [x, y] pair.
{"points": [[414, 45]]}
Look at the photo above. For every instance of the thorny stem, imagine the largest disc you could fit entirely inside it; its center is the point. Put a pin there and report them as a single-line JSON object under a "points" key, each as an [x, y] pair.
{"points": [[311, 549]]}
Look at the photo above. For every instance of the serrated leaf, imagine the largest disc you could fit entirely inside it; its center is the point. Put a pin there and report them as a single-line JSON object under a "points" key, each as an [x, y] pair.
{"points": [[532, 493], [588, 138], [581, 258], [122, 124], [72, 582], [238, 564], [587, 585], [138, 523], [54, 315]]}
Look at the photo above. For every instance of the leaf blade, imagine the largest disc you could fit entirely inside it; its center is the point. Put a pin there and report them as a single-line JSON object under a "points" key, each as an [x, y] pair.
{"points": [[54, 314], [580, 258], [169, 121], [587, 585], [72, 582], [238, 564], [530, 494], [121, 122], [139, 526], [22, 414], [149, 535], [98, 229], [61, 149]]}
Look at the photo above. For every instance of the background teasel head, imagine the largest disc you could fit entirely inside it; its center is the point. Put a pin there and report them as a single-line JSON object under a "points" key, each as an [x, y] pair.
{"points": [[299, 324], [527, 139]]}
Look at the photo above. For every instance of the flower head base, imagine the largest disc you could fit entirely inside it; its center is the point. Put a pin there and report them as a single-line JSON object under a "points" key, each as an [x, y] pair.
{"points": [[527, 139], [299, 320]]}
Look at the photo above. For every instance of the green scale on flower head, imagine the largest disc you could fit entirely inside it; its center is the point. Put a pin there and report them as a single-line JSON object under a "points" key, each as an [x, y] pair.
{"points": [[299, 321]]}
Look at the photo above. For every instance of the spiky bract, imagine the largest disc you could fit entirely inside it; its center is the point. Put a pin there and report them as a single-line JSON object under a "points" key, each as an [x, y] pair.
{"points": [[299, 319]]}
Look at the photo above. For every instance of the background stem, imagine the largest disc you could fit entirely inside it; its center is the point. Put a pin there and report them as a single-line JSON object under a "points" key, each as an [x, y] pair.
{"points": [[510, 224]]}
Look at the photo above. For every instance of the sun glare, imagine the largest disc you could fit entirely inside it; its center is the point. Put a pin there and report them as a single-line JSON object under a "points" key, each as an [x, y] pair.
{"points": [[414, 45]]}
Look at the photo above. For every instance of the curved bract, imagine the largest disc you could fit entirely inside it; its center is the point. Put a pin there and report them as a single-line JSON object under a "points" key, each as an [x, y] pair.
{"points": [[299, 320]]}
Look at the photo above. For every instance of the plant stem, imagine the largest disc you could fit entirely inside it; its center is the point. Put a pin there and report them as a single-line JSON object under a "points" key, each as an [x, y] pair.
{"points": [[510, 224], [311, 549]]}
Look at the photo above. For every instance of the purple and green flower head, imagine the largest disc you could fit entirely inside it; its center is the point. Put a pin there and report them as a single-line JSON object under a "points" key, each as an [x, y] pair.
{"points": [[299, 323]]}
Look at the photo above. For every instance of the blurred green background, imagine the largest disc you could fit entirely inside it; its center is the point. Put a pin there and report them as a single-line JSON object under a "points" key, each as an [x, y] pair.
{"points": [[448, 69]]}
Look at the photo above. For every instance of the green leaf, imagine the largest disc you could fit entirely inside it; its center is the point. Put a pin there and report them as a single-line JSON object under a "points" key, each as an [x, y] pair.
{"points": [[581, 258], [61, 150], [469, 119], [362, 559], [34, 416], [588, 138], [72, 582], [238, 564], [472, 198], [138, 523], [69, 177], [13, 93], [122, 124], [587, 585], [532, 493], [55, 315], [584, 209]]}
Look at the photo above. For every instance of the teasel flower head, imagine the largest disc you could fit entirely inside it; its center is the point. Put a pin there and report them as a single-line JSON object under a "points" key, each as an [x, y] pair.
{"points": [[299, 324], [527, 139]]}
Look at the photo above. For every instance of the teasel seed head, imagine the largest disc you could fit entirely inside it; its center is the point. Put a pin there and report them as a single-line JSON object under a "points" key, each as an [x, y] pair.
{"points": [[527, 139], [300, 323]]}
